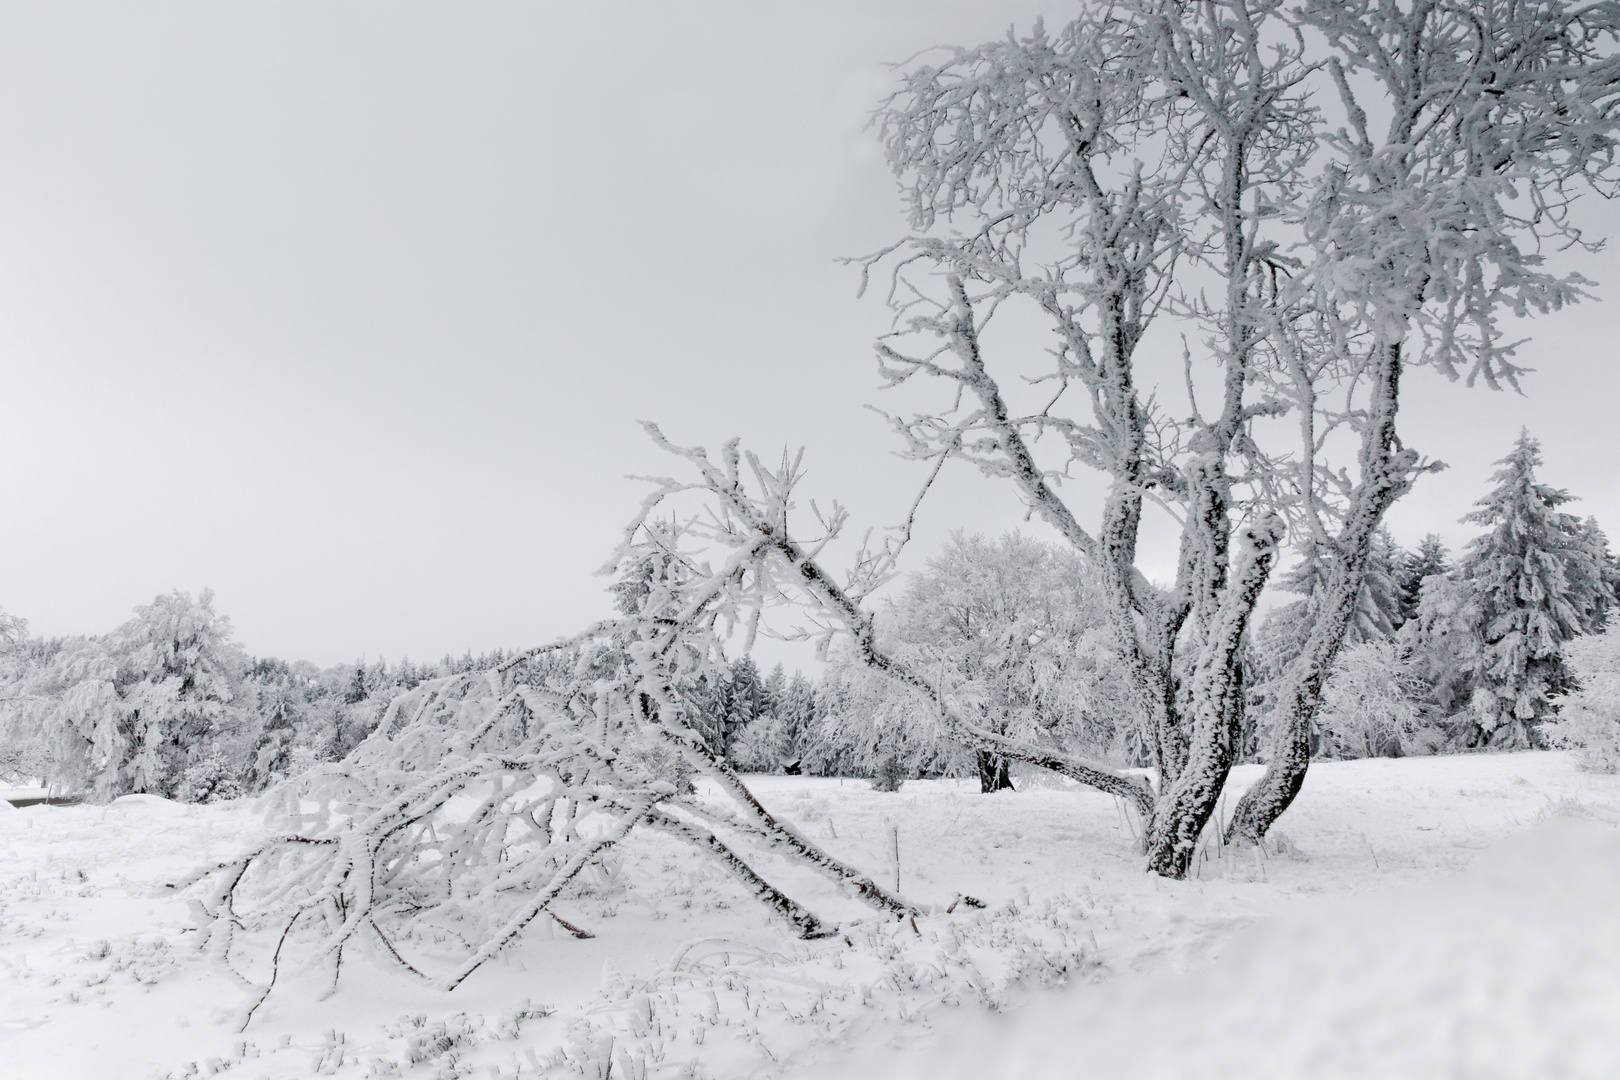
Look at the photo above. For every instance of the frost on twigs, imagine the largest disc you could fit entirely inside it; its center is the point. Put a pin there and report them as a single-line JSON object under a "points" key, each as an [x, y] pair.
{"points": [[480, 797]]}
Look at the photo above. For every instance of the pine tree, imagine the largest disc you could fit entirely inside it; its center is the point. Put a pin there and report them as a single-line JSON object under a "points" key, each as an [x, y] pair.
{"points": [[1602, 599], [1537, 578], [744, 699], [774, 691], [1378, 607], [1280, 638], [798, 711], [1429, 560], [280, 704]]}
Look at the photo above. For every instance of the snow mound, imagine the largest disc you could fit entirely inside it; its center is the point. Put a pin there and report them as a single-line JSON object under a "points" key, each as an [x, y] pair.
{"points": [[1510, 970], [143, 802]]}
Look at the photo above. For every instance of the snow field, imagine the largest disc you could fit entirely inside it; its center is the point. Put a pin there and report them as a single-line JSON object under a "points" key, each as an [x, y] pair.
{"points": [[99, 976], [1509, 971]]}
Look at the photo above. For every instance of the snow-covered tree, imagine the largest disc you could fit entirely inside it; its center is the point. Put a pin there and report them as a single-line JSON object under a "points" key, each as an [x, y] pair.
{"points": [[1139, 139], [1605, 587], [280, 701], [1377, 613], [177, 675], [1444, 642], [1467, 132], [480, 796], [1282, 636], [868, 727], [1372, 705], [1431, 559], [742, 700], [24, 755], [1537, 578], [1016, 630], [151, 707], [1215, 164], [797, 709]]}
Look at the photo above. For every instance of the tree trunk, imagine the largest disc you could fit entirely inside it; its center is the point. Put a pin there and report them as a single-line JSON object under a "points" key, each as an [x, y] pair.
{"points": [[1386, 474], [993, 773], [1216, 707], [1265, 802]]}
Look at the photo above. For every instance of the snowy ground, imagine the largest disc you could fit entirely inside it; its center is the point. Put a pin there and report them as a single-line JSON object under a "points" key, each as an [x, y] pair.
{"points": [[1360, 948]]}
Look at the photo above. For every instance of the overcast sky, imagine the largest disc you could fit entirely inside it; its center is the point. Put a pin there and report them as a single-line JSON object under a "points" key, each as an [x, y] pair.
{"points": [[347, 311]]}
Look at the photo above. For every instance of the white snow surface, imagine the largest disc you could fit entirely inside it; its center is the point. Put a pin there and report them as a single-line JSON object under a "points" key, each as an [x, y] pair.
{"points": [[1422, 917]]}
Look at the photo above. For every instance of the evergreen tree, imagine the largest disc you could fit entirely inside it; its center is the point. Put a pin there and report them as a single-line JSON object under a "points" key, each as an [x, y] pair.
{"points": [[1602, 594], [1378, 607], [744, 697], [1429, 560], [1442, 640], [773, 690], [280, 703], [356, 691], [797, 708], [766, 742], [1279, 639], [705, 703], [1537, 578]]}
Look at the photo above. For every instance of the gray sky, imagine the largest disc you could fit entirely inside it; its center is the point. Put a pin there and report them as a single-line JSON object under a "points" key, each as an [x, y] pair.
{"points": [[348, 310]]}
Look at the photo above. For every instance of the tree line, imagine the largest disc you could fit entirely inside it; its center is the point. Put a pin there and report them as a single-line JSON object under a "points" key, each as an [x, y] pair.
{"points": [[170, 704]]}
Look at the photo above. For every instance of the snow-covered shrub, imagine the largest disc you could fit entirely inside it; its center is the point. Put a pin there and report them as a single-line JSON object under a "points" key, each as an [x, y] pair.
{"points": [[889, 775], [761, 747], [664, 762], [1588, 720], [213, 779]]}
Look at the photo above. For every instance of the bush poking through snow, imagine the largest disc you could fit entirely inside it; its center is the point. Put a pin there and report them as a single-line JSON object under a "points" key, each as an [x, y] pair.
{"points": [[890, 774]]}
